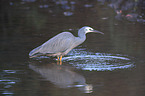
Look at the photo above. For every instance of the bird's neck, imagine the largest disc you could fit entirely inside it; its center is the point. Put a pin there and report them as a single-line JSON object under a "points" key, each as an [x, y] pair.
{"points": [[80, 39], [81, 36]]}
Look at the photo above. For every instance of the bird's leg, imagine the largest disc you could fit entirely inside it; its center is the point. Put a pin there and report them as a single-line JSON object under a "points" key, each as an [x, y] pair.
{"points": [[60, 60], [57, 58], [60, 63]]}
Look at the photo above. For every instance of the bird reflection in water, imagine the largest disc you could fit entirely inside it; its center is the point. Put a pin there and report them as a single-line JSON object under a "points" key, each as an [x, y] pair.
{"points": [[62, 76]]}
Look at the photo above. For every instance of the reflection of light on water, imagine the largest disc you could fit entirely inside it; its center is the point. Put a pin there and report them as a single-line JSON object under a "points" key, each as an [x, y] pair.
{"points": [[7, 93], [99, 62], [87, 88], [8, 82], [68, 13]]}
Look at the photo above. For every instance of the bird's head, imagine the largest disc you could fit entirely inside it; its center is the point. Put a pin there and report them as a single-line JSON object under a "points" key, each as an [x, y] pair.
{"points": [[87, 29]]}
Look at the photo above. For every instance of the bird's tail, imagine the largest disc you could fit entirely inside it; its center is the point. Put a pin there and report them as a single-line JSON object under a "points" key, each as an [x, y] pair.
{"points": [[34, 52], [37, 55]]}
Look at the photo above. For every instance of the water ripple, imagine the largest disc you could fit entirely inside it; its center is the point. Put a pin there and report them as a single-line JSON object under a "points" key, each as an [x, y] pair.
{"points": [[100, 62], [7, 81]]}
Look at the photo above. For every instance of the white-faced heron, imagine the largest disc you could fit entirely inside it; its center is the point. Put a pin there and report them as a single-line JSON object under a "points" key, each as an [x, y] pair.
{"points": [[62, 43]]}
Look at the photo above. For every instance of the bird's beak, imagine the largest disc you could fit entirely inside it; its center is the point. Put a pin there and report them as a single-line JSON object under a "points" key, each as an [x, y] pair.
{"points": [[96, 31]]}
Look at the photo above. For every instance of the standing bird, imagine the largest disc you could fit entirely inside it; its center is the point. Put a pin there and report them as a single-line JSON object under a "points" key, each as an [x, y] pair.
{"points": [[62, 43]]}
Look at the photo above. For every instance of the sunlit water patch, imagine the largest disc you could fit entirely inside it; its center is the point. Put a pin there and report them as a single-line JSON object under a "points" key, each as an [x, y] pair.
{"points": [[99, 62]]}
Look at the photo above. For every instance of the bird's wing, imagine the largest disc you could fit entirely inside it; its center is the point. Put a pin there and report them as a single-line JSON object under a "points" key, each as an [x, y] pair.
{"points": [[59, 43]]}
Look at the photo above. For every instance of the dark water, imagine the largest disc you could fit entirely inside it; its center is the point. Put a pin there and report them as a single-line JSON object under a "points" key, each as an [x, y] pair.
{"points": [[104, 65]]}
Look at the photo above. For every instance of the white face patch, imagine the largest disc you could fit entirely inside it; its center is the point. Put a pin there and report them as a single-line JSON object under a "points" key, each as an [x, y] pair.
{"points": [[88, 29]]}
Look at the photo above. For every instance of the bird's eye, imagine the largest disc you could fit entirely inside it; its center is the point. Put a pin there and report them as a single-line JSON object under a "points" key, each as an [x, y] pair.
{"points": [[89, 29]]}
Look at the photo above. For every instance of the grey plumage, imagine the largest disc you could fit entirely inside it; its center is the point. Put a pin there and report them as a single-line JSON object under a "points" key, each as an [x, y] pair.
{"points": [[62, 43]]}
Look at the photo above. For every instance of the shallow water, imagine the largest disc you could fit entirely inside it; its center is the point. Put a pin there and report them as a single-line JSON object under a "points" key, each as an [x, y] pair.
{"points": [[112, 64]]}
